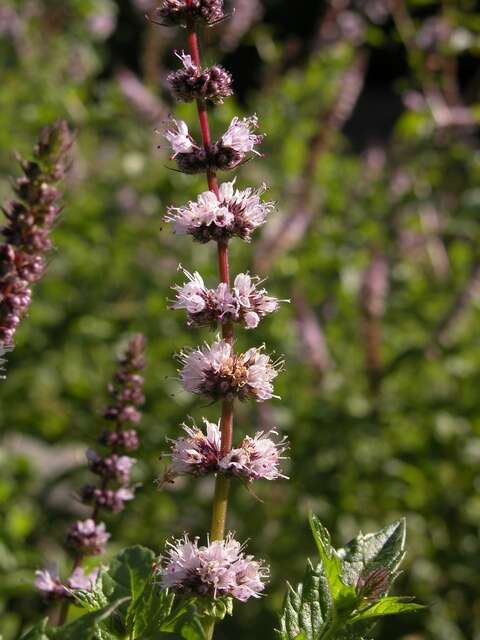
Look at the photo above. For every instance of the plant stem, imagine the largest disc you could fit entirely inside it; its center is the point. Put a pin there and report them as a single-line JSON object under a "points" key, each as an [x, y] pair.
{"points": [[222, 484]]}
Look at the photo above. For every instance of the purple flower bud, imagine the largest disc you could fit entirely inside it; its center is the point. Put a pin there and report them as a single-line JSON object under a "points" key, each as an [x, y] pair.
{"points": [[179, 12], [126, 440], [113, 467], [87, 537], [191, 83], [113, 500], [374, 584]]}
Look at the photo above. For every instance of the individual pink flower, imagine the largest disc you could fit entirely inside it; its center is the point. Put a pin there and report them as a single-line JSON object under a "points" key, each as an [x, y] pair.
{"points": [[197, 453], [217, 371], [81, 580], [179, 137], [234, 213], [218, 569], [49, 584], [240, 137], [254, 303], [257, 458]]}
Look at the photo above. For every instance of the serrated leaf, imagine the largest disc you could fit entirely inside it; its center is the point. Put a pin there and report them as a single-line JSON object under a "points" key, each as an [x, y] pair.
{"points": [[87, 627], [388, 606], [98, 597], [308, 608], [384, 548], [213, 607], [184, 622], [151, 609], [342, 592], [131, 570]]}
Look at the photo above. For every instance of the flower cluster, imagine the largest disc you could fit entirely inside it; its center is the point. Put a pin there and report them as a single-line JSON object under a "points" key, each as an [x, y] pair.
{"points": [[227, 153], [89, 537], [181, 12], [218, 372], [199, 454], [217, 569], [232, 213], [192, 83], [50, 585], [30, 218], [245, 302], [127, 397]]}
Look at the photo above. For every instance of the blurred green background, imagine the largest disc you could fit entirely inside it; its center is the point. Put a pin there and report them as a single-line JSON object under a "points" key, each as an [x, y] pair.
{"points": [[371, 109]]}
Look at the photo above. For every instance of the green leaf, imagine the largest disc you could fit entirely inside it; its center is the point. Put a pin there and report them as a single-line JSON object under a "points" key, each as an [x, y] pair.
{"points": [[87, 627], [384, 548], [150, 610], [387, 606], [38, 632], [98, 597], [309, 608], [184, 622], [331, 563], [131, 570]]}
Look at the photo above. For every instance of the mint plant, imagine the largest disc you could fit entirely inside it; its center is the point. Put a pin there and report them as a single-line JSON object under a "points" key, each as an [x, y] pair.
{"points": [[198, 580]]}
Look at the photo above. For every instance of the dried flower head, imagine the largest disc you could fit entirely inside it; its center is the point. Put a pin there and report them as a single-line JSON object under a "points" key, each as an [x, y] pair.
{"points": [[217, 569], [192, 83], [218, 372], [197, 453], [180, 12], [245, 302], [87, 537], [257, 458], [234, 213]]}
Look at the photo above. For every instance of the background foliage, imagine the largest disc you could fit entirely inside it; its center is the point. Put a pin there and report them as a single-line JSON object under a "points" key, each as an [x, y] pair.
{"points": [[372, 155]]}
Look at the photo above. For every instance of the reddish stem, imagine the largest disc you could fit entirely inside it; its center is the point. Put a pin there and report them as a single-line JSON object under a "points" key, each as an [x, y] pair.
{"points": [[220, 501]]}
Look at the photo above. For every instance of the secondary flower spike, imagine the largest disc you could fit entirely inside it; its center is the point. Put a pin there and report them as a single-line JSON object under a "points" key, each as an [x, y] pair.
{"points": [[245, 302], [218, 372], [30, 219], [234, 213], [217, 569]]}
